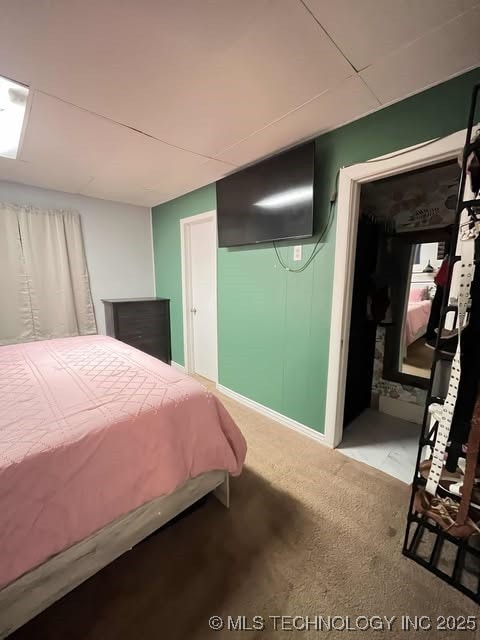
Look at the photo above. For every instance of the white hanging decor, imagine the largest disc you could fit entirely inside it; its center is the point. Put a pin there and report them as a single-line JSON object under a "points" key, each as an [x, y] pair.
{"points": [[465, 249]]}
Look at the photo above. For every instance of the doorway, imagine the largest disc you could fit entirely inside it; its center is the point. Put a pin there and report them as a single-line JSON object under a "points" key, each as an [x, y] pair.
{"points": [[350, 182], [199, 294], [404, 227]]}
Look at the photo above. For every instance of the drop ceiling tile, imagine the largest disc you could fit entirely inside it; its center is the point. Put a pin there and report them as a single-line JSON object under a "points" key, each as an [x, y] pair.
{"points": [[209, 172], [112, 187], [201, 80], [40, 175], [121, 160], [155, 198], [449, 50], [119, 193], [60, 133], [366, 31], [346, 102]]}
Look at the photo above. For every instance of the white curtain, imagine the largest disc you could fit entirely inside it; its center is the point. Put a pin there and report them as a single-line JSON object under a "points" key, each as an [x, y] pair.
{"points": [[44, 284]]}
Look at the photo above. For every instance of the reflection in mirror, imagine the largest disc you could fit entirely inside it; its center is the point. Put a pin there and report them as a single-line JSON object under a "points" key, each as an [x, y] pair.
{"points": [[421, 310]]}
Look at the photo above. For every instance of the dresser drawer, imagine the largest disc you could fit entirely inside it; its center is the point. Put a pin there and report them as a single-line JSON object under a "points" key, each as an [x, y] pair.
{"points": [[158, 349], [144, 318], [143, 329]]}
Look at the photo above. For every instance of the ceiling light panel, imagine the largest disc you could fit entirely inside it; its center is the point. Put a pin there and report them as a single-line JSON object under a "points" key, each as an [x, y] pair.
{"points": [[13, 102]]}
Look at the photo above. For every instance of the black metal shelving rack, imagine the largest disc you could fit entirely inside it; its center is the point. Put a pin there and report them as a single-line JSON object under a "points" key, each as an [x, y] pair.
{"points": [[454, 560]]}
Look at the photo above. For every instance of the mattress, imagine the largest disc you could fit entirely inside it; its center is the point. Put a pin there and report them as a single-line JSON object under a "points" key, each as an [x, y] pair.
{"points": [[90, 429]]}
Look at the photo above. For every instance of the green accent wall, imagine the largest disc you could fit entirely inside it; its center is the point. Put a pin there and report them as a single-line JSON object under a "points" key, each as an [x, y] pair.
{"points": [[274, 325]]}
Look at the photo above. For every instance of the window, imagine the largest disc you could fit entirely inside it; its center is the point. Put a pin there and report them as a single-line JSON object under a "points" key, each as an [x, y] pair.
{"points": [[43, 275]]}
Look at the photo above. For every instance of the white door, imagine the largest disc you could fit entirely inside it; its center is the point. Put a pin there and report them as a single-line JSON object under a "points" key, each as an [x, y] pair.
{"points": [[203, 297]]}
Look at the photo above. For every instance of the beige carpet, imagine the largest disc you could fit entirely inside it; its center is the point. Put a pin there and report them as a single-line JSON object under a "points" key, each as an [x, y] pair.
{"points": [[309, 532]]}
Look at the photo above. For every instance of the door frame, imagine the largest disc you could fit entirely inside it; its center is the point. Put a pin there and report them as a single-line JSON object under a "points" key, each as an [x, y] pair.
{"points": [[349, 186], [185, 226]]}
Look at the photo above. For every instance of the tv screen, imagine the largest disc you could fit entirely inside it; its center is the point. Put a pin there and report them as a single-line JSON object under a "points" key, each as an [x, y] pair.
{"points": [[271, 200]]}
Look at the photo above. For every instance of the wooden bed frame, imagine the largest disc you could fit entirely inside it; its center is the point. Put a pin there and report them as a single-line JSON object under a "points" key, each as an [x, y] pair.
{"points": [[36, 590]]}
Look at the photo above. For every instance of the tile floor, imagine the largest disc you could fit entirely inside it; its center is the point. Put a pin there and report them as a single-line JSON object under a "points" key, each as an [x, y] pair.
{"points": [[383, 442]]}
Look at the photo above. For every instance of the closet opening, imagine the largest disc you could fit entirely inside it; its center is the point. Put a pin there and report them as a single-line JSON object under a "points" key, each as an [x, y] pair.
{"points": [[404, 227]]}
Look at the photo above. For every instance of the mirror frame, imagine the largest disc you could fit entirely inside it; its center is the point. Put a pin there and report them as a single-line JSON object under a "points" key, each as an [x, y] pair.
{"points": [[393, 333]]}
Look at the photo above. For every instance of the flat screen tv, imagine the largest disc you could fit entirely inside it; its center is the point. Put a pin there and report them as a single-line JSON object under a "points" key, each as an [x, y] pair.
{"points": [[271, 200]]}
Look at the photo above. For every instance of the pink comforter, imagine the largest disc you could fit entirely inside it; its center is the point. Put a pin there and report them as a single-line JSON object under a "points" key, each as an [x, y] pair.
{"points": [[416, 322], [91, 429]]}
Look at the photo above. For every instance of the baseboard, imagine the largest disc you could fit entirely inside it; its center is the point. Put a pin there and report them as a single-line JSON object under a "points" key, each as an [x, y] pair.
{"points": [[274, 415], [401, 409], [178, 367]]}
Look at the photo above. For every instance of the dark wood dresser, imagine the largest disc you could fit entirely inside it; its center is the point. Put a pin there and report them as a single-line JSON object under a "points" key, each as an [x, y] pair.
{"points": [[143, 323]]}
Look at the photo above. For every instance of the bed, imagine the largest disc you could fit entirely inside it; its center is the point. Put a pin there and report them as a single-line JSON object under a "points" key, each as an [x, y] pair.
{"points": [[100, 444], [418, 314]]}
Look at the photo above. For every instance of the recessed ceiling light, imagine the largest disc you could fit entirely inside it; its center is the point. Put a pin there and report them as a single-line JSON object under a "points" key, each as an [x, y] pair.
{"points": [[13, 102]]}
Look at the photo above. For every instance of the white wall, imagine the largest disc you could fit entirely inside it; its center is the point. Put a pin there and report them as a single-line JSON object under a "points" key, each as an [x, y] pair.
{"points": [[118, 241], [428, 251]]}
